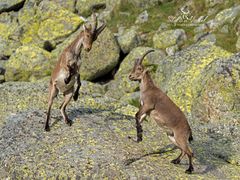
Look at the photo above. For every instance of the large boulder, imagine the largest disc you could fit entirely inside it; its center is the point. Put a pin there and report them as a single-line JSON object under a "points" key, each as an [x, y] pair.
{"points": [[87, 7], [169, 38], [217, 92], [177, 74], [121, 84], [103, 57], [226, 16], [9, 34], [46, 24], [28, 63], [67, 4], [128, 40]]}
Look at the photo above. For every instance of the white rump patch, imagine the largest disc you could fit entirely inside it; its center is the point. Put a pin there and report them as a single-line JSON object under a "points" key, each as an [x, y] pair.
{"points": [[172, 139]]}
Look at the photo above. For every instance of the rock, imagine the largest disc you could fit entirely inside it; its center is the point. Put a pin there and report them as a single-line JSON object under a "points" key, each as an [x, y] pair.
{"points": [[217, 92], [128, 40], [2, 67], [2, 78], [237, 27], [103, 57], [57, 22], [163, 27], [142, 18], [6, 5], [177, 74], [46, 24], [169, 38], [9, 34], [7, 47], [210, 37], [67, 4], [121, 84], [172, 50], [212, 3], [238, 44], [226, 16], [225, 29], [87, 7], [143, 4], [132, 99], [98, 141], [28, 63]]}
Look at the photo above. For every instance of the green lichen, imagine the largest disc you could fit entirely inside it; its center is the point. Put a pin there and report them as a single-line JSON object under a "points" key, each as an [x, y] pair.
{"points": [[28, 62]]}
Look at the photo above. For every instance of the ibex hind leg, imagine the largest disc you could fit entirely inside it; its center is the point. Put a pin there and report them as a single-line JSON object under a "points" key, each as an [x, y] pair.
{"points": [[53, 91], [67, 97], [76, 92], [179, 158], [183, 145]]}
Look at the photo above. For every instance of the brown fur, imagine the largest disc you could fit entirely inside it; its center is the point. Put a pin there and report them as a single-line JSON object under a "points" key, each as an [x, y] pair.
{"points": [[66, 72], [156, 104]]}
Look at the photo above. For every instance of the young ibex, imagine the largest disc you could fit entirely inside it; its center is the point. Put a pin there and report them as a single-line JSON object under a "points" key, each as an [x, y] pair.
{"points": [[163, 110], [66, 72]]}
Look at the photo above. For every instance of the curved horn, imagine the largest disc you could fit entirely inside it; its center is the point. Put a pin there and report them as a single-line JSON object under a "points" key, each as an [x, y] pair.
{"points": [[95, 23], [146, 53]]}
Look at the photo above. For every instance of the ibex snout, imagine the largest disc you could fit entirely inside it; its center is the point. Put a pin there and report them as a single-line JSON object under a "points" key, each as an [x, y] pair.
{"points": [[130, 76], [88, 49]]}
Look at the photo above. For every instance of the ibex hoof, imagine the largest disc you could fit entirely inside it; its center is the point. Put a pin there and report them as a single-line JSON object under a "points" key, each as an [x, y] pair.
{"points": [[189, 170], [175, 161], [137, 140], [69, 122], [47, 128], [75, 97]]}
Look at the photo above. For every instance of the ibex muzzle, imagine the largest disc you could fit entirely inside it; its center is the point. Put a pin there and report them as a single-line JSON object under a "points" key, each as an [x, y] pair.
{"points": [[66, 72], [163, 110]]}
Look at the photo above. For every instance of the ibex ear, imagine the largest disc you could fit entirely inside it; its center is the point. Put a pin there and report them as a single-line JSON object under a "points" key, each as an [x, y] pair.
{"points": [[98, 31], [137, 61], [90, 27]]}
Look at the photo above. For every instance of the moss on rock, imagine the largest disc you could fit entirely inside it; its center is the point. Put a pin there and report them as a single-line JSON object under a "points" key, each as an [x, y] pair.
{"points": [[217, 99], [180, 71], [97, 144], [56, 21], [169, 38], [28, 63]]}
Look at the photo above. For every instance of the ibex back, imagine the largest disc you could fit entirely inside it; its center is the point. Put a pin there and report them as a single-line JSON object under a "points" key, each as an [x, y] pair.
{"points": [[163, 110], [66, 72]]}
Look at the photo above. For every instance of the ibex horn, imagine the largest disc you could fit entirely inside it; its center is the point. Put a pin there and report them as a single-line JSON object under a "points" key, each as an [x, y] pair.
{"points": [[146, 53]]}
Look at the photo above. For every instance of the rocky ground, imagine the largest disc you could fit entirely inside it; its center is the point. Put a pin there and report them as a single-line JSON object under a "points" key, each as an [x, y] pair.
{"points": [[97, 144], [196, 62]]}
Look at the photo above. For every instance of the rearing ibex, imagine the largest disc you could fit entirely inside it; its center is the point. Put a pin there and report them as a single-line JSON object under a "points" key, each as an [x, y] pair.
{"points": [[163, 110], [66, 71]]}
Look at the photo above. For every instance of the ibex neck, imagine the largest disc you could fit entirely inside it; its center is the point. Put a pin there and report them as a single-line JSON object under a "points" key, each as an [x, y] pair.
{"points": [[76, 45], [146, 81]]}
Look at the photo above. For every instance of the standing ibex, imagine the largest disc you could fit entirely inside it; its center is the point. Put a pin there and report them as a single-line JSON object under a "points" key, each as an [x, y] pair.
{"points": [[66, 71], [163, 110]]}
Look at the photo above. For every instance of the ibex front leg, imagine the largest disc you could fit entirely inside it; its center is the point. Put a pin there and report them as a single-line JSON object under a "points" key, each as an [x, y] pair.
{"points": [[140, 116], [76, 92], [53, 91]]}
